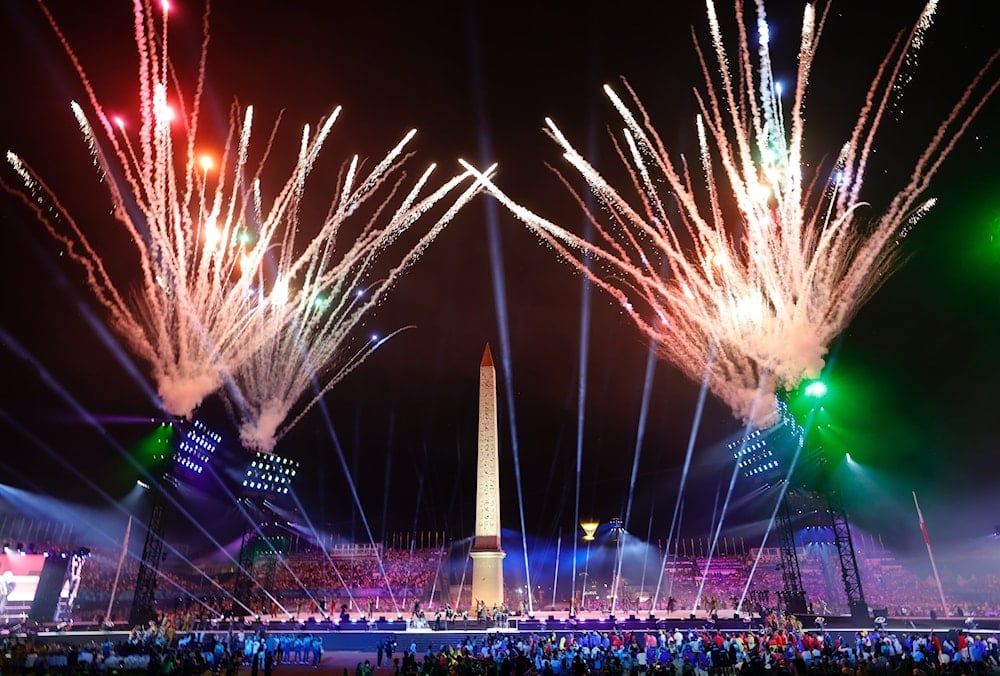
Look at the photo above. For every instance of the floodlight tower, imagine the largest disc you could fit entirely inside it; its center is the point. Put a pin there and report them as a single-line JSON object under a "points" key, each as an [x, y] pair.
{"points": [[266, 475], [180, 450], [144, 598], [618, 533], [793, 591], [759, 455], [849, 572]]}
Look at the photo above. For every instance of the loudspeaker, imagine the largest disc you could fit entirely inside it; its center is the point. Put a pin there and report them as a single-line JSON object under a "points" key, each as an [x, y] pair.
{"points": [[859, 614]]}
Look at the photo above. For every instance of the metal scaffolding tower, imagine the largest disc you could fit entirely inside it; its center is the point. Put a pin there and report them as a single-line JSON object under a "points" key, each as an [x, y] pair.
{"points": [[793, 593], [144, 601], [267, 476], [244, 574], [848, 561], [179, 450]]}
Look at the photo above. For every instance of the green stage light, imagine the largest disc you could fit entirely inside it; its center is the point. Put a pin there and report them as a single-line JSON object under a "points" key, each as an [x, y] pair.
{"points": [[156, 446], [816, 389]]}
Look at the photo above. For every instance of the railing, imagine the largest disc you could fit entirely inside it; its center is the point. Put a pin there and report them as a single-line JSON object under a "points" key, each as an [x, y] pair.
{"points": [[354, 551]]}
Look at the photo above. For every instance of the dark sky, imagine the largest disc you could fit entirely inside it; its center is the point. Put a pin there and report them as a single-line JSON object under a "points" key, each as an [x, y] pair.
{"points": [[917, 367]]}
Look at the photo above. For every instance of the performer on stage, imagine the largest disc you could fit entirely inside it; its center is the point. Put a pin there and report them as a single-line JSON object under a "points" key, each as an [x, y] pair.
{"points": [[71, 585]]}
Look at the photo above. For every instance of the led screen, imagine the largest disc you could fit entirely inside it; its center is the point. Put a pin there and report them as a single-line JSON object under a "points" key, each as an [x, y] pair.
{"points": [[19, 574]]}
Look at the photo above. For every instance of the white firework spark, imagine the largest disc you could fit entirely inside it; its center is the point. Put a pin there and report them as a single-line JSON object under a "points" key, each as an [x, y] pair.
{"points": [[755, 266], [187, 315], [222, 278], [335, 292]]}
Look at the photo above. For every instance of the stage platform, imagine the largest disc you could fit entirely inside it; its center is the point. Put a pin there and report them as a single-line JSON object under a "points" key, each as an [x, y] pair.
{"points": [[364, 636]]}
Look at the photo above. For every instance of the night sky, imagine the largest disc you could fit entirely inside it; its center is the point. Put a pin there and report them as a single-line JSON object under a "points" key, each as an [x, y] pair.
{"points": [[914, 375]]}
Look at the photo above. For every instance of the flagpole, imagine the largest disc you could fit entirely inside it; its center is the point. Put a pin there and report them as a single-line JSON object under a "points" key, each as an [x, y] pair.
{"points": [[930, 553]]}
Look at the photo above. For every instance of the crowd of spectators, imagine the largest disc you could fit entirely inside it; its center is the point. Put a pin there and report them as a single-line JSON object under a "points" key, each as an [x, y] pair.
{"points": [[161, 648], [388, 581], [301, 584], [779, 648], [401, 571], [887, 584]]}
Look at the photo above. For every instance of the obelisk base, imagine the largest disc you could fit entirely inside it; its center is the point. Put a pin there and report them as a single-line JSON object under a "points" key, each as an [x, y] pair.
{"points": [[487, 578]]}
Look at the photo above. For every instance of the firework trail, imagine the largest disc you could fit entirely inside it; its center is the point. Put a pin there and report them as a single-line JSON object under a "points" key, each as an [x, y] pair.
{"points": [[767, 257], [196, 246], [314, 351], [218, 267]]}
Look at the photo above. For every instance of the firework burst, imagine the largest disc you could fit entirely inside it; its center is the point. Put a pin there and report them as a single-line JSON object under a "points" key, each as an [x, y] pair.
{"points": [[227, 284], [335, 292], [752, 262]]}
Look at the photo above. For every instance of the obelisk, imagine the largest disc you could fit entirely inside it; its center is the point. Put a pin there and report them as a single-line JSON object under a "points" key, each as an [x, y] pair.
{"points": [[487, 556]]}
